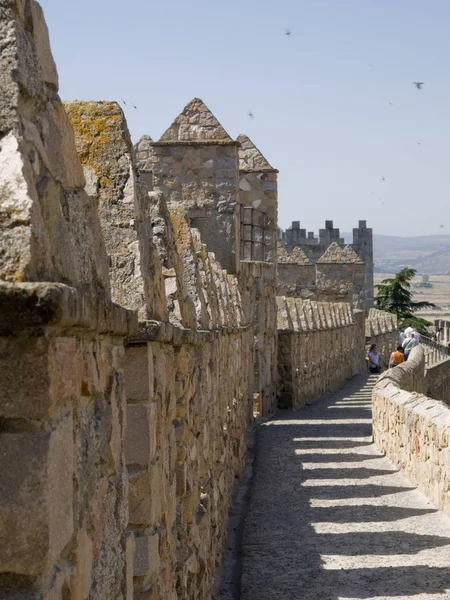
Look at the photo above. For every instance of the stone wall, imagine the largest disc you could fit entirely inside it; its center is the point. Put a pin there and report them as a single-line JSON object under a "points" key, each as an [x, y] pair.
{"points": [[320, 345], [191, 375], [64, 484], [412, 429], [382, 330]]}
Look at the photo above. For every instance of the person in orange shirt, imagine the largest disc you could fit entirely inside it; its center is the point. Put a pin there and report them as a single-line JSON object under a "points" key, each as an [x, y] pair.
{"points": [[397, 357]]}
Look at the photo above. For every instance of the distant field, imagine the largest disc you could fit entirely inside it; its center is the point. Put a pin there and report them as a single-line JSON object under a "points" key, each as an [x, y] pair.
{"points": [[439, 294]]}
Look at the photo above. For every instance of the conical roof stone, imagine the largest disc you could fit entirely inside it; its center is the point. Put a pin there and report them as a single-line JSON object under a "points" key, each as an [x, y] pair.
{"points": [[251, 158], [196, 123], [336, 254]]}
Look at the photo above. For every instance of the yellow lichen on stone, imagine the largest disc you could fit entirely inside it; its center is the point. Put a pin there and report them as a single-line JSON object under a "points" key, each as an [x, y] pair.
{"points": [[98, 128]]}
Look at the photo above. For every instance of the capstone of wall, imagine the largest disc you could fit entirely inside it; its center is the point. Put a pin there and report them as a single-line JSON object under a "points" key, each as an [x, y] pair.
{"points": [[320, 344], [413, 429], [104, 146]]}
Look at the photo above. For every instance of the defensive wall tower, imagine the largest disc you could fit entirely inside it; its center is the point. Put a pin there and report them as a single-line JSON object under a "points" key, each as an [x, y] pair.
{"points": [[195, 164], [258, 192]]}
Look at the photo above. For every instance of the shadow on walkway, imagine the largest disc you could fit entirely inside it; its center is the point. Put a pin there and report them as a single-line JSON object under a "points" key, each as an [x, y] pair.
{"points": [[331, 519]]}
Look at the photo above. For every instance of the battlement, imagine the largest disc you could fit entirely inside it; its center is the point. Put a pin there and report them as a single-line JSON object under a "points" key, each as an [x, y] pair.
{"points": [[317, 249]]}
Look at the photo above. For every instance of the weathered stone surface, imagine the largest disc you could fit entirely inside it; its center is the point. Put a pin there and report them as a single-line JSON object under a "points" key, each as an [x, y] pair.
{"points": [[195, 123], [49, 226], [412, 429], [195, 165], [64, 489], [320, 344], [106, 152]]}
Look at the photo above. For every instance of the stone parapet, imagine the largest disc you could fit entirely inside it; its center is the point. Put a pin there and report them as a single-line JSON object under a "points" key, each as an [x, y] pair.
{"points": [[320, 344], [189, 406], [64, 483], [412, 429]]}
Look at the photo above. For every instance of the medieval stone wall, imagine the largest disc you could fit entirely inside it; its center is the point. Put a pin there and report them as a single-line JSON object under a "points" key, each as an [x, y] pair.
{"points": [[206, 350], [320, 344], [413, 429], [121, 440], [64, 483]]}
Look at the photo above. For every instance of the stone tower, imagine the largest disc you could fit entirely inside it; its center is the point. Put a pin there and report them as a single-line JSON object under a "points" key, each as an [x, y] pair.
{"points": [[258, 193], [340, 276], [363, 246], [195, 164]]}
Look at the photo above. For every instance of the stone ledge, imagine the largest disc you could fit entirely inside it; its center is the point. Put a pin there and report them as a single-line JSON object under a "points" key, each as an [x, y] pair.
{"points": [[196, 143], [263, 170], [166, 333], [32, 305]]}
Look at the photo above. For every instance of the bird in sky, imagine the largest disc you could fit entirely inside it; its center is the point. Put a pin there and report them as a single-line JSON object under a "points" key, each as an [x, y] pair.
{"points": [[441, 226], [124, 102], [390, 104], [250, 114], [418, 84], [135, 107], [287, 32], [383, 179]]}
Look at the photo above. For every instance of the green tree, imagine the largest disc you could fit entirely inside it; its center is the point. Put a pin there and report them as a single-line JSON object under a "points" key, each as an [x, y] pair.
{"points": [[394, 295]]}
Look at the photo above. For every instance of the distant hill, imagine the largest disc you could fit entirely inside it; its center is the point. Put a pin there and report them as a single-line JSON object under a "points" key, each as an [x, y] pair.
{"points": [[429, 254]]}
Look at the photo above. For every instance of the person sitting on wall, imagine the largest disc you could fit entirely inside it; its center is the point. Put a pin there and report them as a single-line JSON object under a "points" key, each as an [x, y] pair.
{"points": [[396, 357], [374, 359]]}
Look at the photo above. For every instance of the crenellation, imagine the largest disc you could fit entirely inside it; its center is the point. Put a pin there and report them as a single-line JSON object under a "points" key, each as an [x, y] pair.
{"points": [[314, 248]]}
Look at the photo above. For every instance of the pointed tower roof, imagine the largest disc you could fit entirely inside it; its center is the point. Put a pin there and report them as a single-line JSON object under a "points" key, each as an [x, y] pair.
{"points": [[251, 159], [336, 254], [196, 123]]}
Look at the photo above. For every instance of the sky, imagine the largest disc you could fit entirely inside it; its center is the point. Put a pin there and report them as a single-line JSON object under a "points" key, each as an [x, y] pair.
{"points": [[334, 105]]}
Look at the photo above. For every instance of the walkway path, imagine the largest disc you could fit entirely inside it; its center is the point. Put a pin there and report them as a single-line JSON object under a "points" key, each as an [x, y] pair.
{"points": [[332, 519]]}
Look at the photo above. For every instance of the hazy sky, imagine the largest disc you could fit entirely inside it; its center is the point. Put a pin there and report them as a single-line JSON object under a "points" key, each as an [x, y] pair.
{"points": [[321, 97]]}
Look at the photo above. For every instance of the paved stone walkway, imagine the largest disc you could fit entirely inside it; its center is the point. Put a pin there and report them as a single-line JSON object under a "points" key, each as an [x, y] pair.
{"points": [[331, 519]]}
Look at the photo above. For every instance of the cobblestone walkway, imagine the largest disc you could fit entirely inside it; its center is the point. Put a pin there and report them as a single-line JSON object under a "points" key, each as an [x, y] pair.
{"points": [[332, 519]]}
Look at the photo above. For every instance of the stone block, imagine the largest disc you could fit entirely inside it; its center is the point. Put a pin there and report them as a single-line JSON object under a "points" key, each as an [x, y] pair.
{"points": [[36, 494], [147, 561], [137, 440], [130, 550], [138, 370], [146, 496], [82, 578], [37, 375]]}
